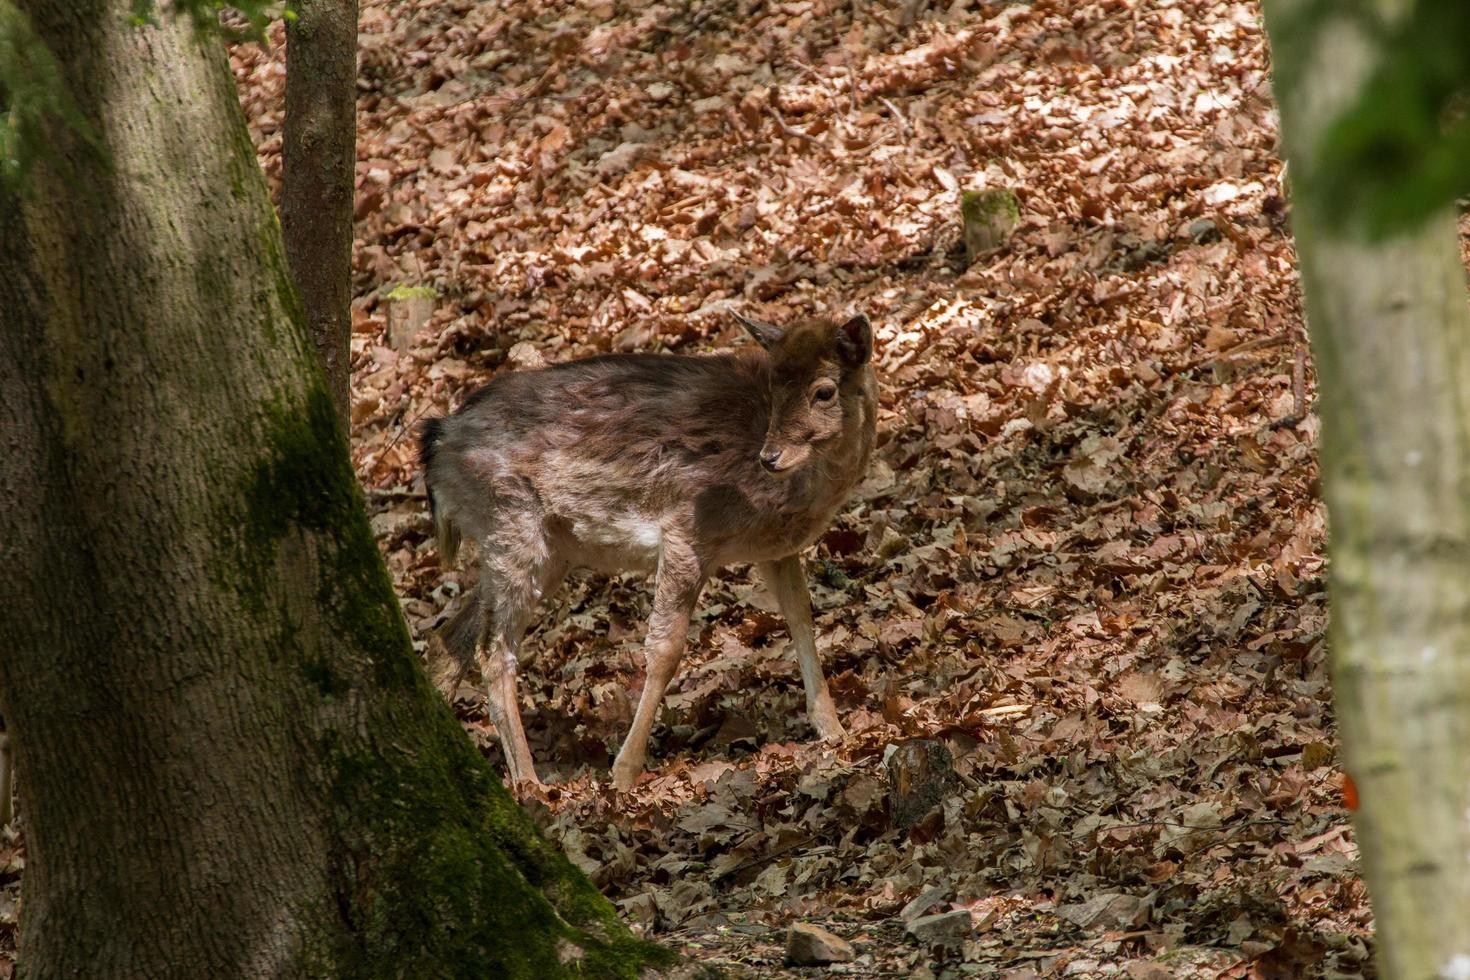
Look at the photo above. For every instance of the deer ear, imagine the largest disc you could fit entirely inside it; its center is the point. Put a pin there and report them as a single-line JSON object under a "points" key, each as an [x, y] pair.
{"points": [[765, 334], [855, 341]]}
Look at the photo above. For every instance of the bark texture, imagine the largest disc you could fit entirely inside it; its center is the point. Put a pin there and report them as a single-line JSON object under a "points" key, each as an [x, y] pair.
{"points": [[1390, 332], [231, 762], [319, 151]]}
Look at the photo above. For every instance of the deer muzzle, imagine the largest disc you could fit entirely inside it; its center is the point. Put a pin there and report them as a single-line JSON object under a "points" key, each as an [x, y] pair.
{"points": [[777, 458]]}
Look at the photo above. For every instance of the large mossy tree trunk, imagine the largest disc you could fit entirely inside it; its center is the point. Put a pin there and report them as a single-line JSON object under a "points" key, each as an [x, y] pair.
{"points": [[230, 761], [1391, 337], [318, 157]]}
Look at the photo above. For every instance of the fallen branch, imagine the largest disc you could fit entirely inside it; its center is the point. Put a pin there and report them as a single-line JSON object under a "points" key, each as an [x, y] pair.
{"points": [[1187, 828], [767, 858]]}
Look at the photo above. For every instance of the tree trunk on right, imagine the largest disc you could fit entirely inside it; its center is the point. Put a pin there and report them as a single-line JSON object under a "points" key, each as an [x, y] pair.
{"points": [[318, 157], [1391, 337]]}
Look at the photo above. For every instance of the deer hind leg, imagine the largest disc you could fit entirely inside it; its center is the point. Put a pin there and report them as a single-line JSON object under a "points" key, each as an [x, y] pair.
{"points": [[676, 590], [455, 646], [788, 581], [549, 576], [510, 584]]}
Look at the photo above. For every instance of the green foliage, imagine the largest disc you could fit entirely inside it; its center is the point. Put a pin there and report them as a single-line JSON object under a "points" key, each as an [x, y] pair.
{"points": [[205, 14], [36, 107], [832, 574], [1403, 150]]}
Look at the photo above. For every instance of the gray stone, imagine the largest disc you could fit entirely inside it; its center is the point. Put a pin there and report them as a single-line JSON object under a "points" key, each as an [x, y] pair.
{"points": [[943, 929], [621, 158], [1203, 231], [926, 901], [809, 945], [1111, 910]]}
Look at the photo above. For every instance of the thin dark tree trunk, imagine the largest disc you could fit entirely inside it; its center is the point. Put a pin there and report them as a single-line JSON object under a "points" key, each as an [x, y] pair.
{"points": [[231, 763], [319, 152]]}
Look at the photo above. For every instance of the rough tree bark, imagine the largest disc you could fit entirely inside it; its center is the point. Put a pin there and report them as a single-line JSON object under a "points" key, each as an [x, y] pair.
{"points": [[231, 762], [1391, 336], [318, 154]]}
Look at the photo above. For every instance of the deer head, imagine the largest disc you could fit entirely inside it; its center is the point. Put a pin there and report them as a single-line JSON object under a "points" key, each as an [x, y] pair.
{"points": [[817, 384]]}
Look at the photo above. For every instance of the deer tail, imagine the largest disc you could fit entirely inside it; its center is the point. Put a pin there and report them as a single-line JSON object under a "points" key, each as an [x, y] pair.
{"points": [[446, 531], [453, 651]]}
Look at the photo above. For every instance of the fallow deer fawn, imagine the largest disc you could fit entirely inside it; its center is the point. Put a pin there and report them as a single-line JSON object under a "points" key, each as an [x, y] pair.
{"points": [[649, 461]]}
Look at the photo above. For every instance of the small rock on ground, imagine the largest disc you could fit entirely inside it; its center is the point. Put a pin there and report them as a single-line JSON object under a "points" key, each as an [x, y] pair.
{"points": [[945, 928], [809, 945]]}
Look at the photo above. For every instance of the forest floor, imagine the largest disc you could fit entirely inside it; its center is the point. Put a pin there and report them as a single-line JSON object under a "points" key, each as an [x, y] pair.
{"points": [[1089, 558]]}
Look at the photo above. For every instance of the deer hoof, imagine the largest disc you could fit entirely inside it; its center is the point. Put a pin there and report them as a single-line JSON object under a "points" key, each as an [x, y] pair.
{"points": [[829, 729], [623, 777], [528, 789]]}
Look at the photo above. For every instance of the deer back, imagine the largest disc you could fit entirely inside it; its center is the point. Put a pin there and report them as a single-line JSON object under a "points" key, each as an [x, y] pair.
{"points": [[745, 454]]}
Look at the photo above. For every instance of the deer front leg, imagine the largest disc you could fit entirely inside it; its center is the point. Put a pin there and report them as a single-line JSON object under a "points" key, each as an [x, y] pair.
{"points": [[788, 581], [676, 589]]}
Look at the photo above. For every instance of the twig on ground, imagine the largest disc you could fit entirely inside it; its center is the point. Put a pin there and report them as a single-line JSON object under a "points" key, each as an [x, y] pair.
{"points": [[1298, 382], [756, 862], [1004, 710], [1214, 357], [407, 427], [790, 130], [852, 82], [828, 88], [904, 129], [1298, 390], [1145, 824]]}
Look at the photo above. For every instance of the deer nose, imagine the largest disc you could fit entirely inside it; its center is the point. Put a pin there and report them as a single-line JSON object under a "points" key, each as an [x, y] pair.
{"points": [[771, 459]]}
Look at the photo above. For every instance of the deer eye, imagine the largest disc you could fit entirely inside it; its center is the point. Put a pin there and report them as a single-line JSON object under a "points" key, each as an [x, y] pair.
{"points": [[825, 393]]}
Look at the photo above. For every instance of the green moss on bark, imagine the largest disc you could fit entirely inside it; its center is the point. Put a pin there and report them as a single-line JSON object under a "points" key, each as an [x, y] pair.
{"points": [[441, 874], [989, 218], [307, 483], [988, 204], [405, 291]]}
